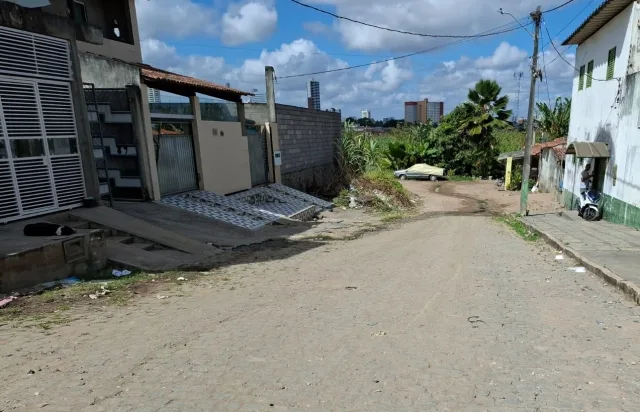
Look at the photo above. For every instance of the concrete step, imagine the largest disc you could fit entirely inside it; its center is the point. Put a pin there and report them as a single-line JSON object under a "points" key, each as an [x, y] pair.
{"points": [[121, 239], [77, 225], [131, 257], [143, 246]]}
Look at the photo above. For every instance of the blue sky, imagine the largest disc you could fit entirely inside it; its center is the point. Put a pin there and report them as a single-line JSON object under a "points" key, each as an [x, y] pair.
{"points": [[231, 42]]}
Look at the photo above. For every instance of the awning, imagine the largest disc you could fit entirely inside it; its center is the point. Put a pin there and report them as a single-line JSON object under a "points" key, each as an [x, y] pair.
{"points": [[588, 149], [185, 85], [519, 154]]}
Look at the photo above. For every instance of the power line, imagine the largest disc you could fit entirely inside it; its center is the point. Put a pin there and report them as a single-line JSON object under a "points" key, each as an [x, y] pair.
{"points": [[565, 60], [546, 81], [392, 58], [449, 36], [559, 7], [574, 17]]}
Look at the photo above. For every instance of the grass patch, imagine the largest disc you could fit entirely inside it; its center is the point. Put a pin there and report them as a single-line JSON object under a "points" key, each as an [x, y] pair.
{"points": [[343, 199], [393, 216], [460, 178], [514, 221], [380, 190]]}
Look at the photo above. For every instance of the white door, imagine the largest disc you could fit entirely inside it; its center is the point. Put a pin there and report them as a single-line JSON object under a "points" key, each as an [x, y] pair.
{"points": [[40, 167]]}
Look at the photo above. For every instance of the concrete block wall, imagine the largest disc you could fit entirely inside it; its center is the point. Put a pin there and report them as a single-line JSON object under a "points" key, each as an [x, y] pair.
{"points": [[307, 141]]}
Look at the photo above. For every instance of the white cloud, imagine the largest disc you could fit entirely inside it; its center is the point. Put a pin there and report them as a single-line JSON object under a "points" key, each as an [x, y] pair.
{"points": [[175, 18], [420, 16], [249, 22]]}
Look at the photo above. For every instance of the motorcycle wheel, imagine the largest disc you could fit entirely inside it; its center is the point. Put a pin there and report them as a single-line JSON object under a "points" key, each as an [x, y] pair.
{"points": [[590, 214]]}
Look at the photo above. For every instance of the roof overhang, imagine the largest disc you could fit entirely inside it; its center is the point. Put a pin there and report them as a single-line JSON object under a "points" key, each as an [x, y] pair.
{"points": [[187, 86], [597, 20], [592, 150], [519, 154]]}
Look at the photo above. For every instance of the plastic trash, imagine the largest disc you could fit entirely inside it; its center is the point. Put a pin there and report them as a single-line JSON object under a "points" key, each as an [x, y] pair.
{"points": [[559, 257], [578, 269], [120, 273], [6, 301]]}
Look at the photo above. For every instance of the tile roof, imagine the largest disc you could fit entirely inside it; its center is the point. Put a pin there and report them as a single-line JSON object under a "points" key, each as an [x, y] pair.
{"points": [[158, 76], [557, 145]]}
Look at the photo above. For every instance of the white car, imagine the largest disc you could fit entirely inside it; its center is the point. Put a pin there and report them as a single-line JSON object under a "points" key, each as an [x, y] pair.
{"points": [[421, 171]]}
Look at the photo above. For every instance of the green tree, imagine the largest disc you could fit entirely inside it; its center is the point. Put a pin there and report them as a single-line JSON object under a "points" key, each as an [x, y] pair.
{"points": [[486, 112], [554, 122]]}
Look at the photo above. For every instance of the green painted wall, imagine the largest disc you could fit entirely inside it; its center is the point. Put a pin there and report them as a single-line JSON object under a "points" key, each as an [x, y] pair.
{"points": [[615, 210]]}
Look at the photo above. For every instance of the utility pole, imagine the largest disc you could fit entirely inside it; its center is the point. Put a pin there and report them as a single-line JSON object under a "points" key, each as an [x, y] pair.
{"points": [[269, 75], [536, 16], [516, 115]]}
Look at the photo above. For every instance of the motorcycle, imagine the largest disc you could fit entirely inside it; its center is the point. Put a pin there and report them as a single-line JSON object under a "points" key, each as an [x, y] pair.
{"points": [[590, 205]]}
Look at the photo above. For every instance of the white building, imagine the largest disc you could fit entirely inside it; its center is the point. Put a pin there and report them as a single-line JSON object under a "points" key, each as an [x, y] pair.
{"points": [[313, 95], [365, 114], [605, 111], [153, 95]]}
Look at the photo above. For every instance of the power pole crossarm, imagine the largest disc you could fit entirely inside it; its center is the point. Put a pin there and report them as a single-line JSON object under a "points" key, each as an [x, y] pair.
{"points": [[536, 16]]}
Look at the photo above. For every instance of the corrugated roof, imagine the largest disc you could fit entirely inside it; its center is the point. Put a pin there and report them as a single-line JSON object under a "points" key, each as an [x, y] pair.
{"points": [[588, 150], [596, 20], [156, 76]]}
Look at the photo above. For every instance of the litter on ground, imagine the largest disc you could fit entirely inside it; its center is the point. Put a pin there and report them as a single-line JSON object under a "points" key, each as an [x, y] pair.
{"points": [[578, 269], [120, 273]]}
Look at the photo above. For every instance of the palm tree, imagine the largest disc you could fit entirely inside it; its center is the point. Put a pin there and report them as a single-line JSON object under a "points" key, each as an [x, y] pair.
{"points": [[487, 111], [554, 122]]}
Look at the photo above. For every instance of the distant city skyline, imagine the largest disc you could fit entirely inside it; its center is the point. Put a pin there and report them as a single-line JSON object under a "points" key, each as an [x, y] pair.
{"points": [[153, 95], [365, 114]]}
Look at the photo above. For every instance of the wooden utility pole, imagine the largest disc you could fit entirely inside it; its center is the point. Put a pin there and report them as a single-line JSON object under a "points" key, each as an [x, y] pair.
{"points": [[536, 16]]}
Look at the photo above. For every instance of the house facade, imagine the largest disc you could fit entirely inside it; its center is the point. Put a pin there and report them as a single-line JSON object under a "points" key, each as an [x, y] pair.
{"points": [[605, 110]]}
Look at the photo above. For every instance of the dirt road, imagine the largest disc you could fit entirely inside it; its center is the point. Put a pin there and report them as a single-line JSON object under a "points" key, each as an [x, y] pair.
{"points": [[450, 313]]}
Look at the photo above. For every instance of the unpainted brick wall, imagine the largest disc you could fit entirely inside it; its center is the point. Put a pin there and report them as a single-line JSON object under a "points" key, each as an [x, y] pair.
{"points": [[307, 141]]}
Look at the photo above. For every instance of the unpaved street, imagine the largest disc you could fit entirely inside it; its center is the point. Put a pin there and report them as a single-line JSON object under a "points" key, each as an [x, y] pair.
{"points": [[451, 313]]}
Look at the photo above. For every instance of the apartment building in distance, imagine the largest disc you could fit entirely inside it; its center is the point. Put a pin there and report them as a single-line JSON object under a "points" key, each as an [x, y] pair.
{"points": [[365, 114], [153, 95], [423, 111], [313, 95]]}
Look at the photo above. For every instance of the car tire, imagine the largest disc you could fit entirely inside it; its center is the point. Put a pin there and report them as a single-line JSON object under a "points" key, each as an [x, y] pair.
{"points": [[403, 177], [433, 178]]}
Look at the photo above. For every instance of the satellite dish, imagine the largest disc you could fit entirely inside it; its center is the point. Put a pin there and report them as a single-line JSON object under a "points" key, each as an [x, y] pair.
{"points": [[30, 4]]}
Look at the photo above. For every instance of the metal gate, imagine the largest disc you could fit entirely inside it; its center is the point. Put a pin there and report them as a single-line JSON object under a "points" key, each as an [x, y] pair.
{"points": [[258, 157], [176, 163], [40, 165]]}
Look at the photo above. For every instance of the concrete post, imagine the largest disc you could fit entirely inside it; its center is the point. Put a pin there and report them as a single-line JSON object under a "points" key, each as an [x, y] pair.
{"points": [[195, 129], [85, 139], [241, 118], [141, 120]]}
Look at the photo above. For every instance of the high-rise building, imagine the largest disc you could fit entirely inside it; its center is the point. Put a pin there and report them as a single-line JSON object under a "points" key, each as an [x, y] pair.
{"points": [[313, 95], [365, 114], [435, 111], [411, 112], [153, 95], [423, 111]]}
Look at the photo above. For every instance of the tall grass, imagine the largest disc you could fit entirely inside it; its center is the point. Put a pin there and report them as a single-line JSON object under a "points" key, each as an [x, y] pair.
{"points": [[359, 152]]}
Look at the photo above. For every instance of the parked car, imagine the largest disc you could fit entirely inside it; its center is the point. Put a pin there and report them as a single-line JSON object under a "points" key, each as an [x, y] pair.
{"points": [[421, 171]]}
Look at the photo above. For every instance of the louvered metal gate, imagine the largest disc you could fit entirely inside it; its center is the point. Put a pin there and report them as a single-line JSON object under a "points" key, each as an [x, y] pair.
{"points": [[40, 165]]}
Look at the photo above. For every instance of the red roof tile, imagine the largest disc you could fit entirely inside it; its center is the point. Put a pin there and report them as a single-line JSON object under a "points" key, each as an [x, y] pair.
{"points": [[153, 75], [537, 148]]}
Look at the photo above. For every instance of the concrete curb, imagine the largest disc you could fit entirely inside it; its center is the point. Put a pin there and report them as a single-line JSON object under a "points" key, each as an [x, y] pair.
{"points": [[627, 287]]}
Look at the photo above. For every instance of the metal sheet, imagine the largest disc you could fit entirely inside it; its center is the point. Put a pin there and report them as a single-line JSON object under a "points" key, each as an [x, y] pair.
{"points": [[588, 150], [176, 164]]}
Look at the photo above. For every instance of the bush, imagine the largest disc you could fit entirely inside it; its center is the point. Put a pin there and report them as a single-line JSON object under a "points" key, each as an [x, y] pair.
{"points": [[382, 191]]}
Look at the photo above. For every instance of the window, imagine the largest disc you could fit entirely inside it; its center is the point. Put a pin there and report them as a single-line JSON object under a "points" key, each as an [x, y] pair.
{"points": [[79, 12], [581, 80], [589, 73], [611, 63]]}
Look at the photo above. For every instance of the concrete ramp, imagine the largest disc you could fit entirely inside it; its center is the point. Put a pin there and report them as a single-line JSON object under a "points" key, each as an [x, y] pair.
{"points": [[113, 219]]}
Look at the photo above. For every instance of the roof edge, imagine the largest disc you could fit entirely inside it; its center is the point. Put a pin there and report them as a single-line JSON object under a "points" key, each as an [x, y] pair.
{"points": [[622, 4]]}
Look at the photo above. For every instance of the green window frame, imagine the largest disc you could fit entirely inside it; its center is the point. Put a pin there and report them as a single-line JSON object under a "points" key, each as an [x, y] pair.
{"points": [[581, 79], [611, 63], [589, 73]]}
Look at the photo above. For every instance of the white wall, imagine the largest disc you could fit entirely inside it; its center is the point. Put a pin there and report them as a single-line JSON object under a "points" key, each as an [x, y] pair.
{"points": [[597, 116]]}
